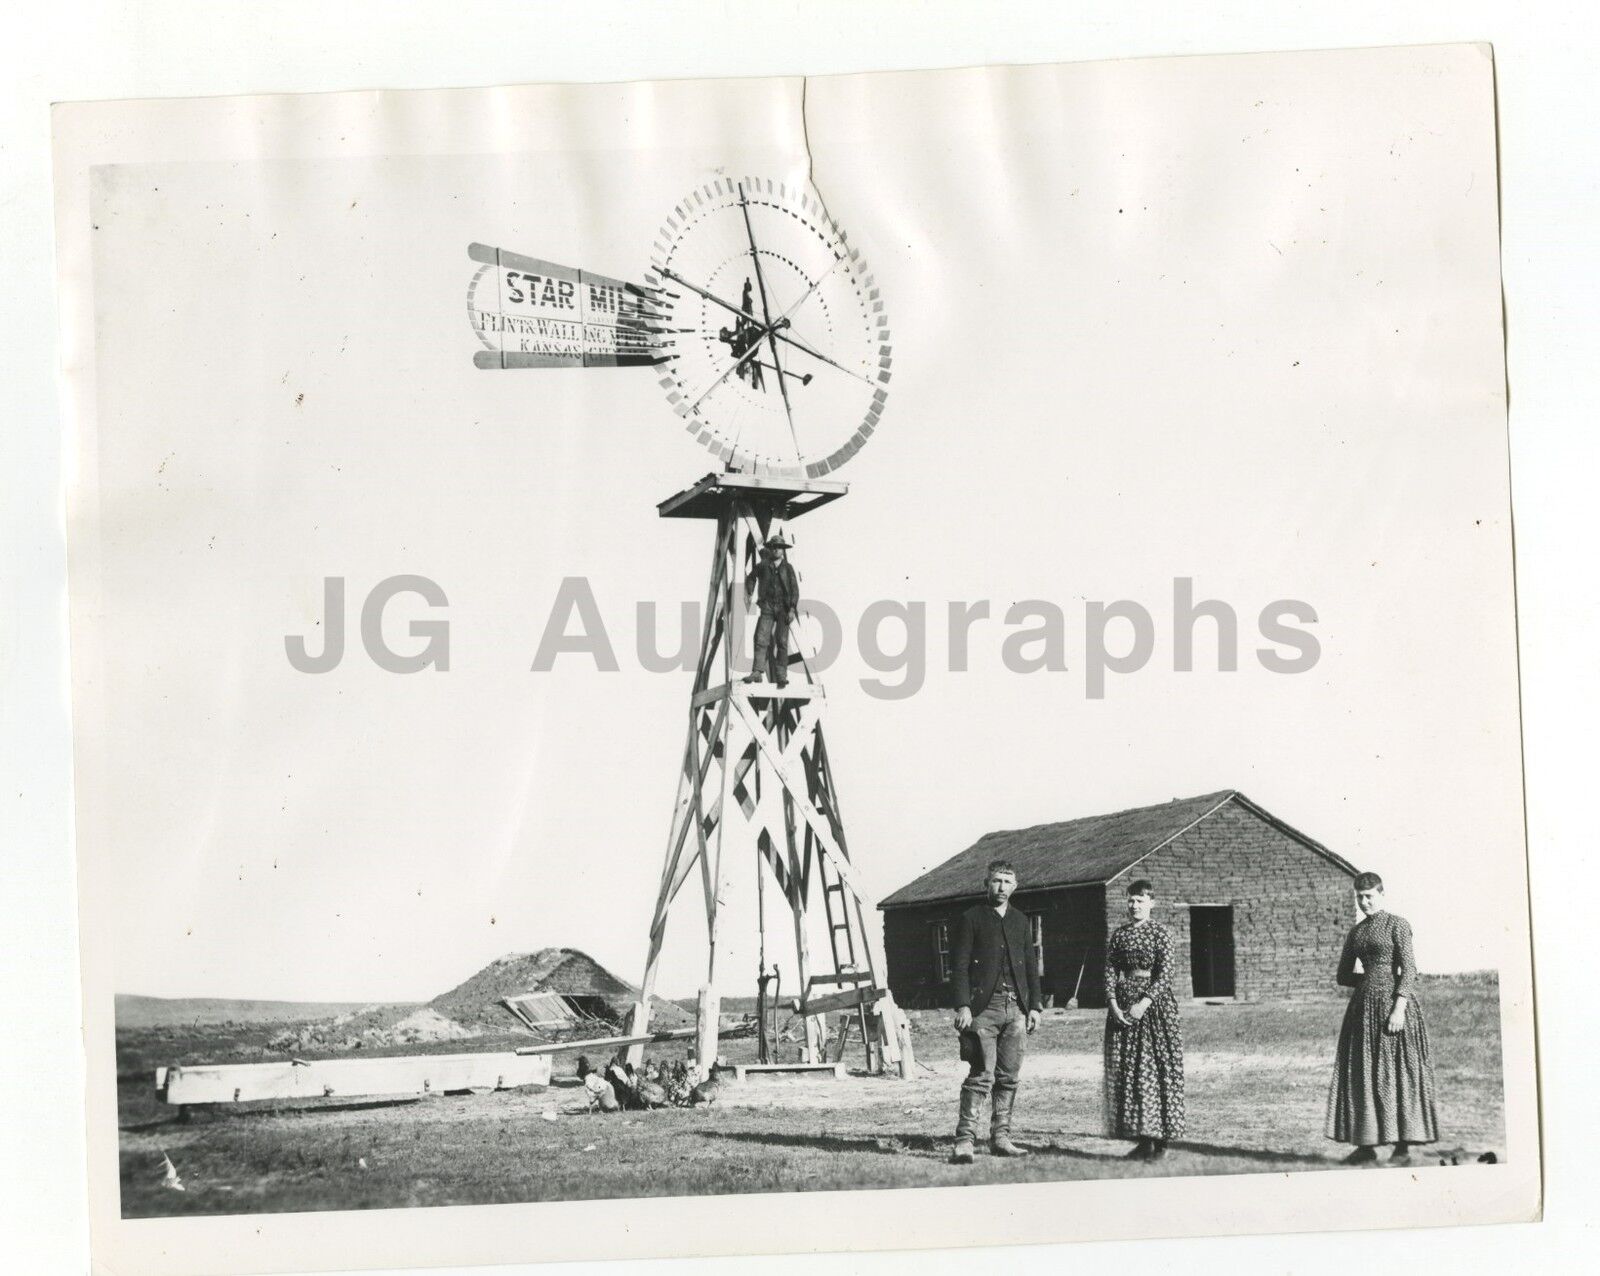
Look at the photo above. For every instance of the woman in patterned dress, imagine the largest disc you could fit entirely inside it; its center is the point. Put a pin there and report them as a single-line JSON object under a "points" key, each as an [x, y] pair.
{"points": [[1383, 1087], [1143, 1042]]}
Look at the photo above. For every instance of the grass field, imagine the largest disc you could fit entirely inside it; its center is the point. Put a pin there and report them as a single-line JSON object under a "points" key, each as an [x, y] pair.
{"points": [[1257, 1081], [159, 1012]]}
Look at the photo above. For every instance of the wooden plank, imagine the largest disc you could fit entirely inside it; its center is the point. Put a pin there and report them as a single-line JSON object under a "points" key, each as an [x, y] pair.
{"points": [[723, 737], [797, 908], [760, 691], [638, 1024], [706, 1024], [714, 877], [714, 634], [682, 867], [841, 1040], [670, 507], [688, 785], [842, 1000], [886, 1016], [711, 495], [578, 358], [787, 484], [802, 734], [825, 840], [593, 1043], [322, 1078], [518, 1011], [816, 1037], [743, 1070], [900, 1032]]}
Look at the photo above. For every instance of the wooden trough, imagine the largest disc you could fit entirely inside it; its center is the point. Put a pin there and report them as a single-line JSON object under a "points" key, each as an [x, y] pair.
{"points": [[344, 1078], [743, 1070]]}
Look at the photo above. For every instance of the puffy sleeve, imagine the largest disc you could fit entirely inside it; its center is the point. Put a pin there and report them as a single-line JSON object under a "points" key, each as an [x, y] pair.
{"points": [[1161, 965], [1405, 959], [1347, 977], [1111, 971]]}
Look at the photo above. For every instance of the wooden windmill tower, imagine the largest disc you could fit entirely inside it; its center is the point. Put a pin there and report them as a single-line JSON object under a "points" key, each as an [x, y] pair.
{"points": [[772, 346], [755, 778]]}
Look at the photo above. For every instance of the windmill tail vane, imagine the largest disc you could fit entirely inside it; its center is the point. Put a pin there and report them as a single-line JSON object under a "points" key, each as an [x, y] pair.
{"points": [[529, 313]]}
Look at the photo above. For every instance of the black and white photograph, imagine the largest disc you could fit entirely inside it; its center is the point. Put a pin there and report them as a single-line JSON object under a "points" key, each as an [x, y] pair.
{"points": [[799, 651]]}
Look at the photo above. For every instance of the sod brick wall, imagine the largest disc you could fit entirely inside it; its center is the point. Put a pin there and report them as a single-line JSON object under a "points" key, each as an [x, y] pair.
{"points": [[1291, 909], [1291, 906]]}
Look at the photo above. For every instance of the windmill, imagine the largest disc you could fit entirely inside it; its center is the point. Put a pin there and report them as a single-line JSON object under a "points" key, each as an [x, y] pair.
{"points": [[769, 338]]}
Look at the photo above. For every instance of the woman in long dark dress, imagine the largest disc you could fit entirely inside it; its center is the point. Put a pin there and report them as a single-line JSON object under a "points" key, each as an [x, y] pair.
{"points": [[1383, 1086], [1143, 1042]]}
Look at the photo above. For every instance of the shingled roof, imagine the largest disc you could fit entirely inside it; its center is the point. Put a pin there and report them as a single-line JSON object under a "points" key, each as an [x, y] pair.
{"points": [[1081, 852]]}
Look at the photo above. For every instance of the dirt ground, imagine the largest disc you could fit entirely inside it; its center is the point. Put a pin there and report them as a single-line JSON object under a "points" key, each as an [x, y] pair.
{"points": [[1257, 1081]]}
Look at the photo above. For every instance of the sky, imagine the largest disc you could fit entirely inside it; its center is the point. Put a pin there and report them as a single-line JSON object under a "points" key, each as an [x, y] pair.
{"points": [[1234, 321]]}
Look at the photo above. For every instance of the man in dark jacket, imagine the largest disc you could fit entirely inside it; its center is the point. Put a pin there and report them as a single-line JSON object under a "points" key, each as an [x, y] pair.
{"points": [[780, 596], [996, 987]]}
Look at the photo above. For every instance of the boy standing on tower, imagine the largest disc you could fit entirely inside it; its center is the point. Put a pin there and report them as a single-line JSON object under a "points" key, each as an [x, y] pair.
{"points": [[780, 596]]}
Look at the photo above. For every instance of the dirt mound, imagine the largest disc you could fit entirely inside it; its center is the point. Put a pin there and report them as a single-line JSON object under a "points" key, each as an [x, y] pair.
{"points": [[374, 1026], [593, 991], [428, 1024], [560, 970]]}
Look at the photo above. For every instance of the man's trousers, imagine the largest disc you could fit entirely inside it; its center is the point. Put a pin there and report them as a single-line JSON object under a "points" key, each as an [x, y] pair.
{"points": [[993, 1048], [772, 648]]}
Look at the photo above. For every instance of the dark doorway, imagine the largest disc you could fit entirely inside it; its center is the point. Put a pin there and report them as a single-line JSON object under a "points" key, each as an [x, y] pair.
{"points": [[1211, 949]]}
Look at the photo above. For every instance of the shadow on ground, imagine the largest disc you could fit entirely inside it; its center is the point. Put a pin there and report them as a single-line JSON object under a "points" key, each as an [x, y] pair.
{"points": [[927, 1144], [885, 1144], [888, 1144], [1266, 1155]]}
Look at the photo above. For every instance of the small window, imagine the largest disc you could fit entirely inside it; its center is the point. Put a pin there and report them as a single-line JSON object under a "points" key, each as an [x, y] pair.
{"points": [[941, 950], [1036, 930]]}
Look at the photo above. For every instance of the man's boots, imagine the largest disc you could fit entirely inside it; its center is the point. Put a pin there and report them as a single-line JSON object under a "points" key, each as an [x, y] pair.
{"points": [[1000, 1125], [971, 1110]]}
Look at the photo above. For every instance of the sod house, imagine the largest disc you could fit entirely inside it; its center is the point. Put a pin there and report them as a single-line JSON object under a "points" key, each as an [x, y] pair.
{"points": [[1257, 909]]}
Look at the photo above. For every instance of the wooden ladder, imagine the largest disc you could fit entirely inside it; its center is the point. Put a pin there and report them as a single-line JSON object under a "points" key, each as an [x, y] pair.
{"points": [[842, 940]]}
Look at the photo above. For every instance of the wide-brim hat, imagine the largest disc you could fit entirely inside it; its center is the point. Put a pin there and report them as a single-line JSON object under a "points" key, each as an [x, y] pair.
{"points": [[778, 542]]}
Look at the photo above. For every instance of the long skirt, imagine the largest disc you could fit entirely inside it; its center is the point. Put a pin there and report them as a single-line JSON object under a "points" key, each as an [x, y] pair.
{"points": [[1383, 1086], [1144, 1075]]}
